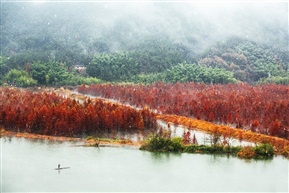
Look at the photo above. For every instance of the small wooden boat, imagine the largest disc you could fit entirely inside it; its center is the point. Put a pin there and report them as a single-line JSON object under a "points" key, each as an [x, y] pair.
{"points": [[62, 168], [59, 168]]}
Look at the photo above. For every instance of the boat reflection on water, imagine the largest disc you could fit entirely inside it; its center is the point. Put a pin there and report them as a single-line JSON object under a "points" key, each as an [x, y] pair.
{"points": [[61, 168]]}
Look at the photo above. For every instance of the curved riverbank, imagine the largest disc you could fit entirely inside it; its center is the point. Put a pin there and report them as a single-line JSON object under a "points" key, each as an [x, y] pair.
{"points": [[87, 142]]}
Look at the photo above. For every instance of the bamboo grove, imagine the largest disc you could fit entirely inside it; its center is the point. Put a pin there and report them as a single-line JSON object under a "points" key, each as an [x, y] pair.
{"points": [[262, 108], [51, 114]]}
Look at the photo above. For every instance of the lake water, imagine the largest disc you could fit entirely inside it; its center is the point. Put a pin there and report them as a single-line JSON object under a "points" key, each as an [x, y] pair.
{"points": [[28, 166]]}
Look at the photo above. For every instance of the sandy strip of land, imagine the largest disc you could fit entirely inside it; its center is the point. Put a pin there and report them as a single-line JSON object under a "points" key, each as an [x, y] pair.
{"points": [[88, 143]]}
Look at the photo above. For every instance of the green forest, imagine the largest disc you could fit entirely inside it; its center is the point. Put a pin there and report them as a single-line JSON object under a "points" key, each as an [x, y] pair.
{"points": [[83, 52], [234, 61]]}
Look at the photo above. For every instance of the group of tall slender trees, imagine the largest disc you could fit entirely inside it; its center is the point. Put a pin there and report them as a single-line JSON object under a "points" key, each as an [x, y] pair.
{"points": [[51, 114], [260, 108]]}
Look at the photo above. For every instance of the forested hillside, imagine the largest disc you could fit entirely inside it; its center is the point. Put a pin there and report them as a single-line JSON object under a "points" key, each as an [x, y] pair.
{"points": [[42, 43], [249, 61]]}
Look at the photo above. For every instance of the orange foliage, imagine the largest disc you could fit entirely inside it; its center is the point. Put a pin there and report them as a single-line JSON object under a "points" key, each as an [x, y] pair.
{"points": [[246, 152], [281, 145], [50, 114], [247, 107]]}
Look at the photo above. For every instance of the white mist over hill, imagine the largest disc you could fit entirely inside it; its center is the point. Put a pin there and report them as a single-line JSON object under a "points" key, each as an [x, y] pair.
{"points": [[124, 24]]}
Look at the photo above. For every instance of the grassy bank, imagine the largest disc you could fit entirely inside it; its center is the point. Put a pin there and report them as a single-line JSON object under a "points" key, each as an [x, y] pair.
{"points": [[156, 143]]}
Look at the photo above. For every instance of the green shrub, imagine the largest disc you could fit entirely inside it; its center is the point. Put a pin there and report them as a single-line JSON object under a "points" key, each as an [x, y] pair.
{"points": [[20, 78], [216, 149], [50, 73], [160, 144], [175, 145], [233, 150], [79, 80], [156, 143], [263, 151], [191, 148], [276, 80]]}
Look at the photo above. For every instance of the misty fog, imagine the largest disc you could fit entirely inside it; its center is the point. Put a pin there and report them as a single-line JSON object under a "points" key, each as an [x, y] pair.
{"points": [[123, 25]]}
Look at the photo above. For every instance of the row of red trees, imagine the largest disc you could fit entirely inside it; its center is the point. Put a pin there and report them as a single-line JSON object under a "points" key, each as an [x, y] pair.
{"points": [[50, 114], [261, 108]]}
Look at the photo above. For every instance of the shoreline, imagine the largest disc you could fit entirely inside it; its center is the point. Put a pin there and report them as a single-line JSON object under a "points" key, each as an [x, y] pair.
{"points": [[86, 142]]}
